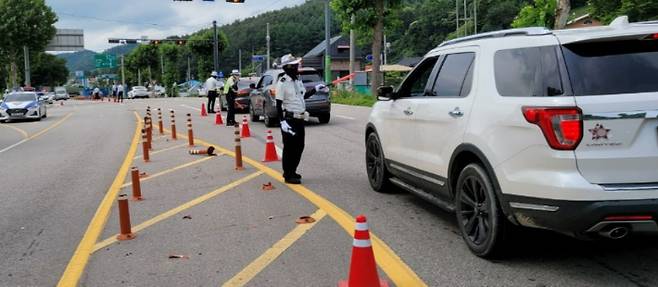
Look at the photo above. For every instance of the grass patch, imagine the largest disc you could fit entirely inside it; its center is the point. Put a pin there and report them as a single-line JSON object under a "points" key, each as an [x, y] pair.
{"points": [[352, 98]]}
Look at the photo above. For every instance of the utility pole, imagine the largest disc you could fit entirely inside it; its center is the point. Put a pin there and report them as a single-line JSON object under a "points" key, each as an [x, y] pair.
{"points": [[268, 47], [26, 55], [215, 51], [475, 16], [161, 66], [189, 70], [352, 53], [240, 60], [385, 50], [327, 55], [123, 75], [139, 76], [457, 16]]}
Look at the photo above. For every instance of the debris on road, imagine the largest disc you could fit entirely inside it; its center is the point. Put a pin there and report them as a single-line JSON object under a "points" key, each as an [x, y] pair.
{"points": [[187, 217], [175, 256], [268, 186], [305, 219]]}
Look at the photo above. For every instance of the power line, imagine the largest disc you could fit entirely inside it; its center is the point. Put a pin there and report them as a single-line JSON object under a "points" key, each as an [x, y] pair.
{"points": [[128, 21]]}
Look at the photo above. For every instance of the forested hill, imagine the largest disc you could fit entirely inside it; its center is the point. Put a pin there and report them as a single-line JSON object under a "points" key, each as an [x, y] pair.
{"points": [[293, 30]]}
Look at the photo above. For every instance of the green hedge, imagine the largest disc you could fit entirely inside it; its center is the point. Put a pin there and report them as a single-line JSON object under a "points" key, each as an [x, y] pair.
{"points": [[352, 98]]}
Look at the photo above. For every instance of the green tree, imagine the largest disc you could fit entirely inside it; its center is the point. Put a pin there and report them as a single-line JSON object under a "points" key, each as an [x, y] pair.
{"points": [[636, 10], [200, 45], [541, 13], [24, 23], [48, 70], [171, 54], [370, 17]]}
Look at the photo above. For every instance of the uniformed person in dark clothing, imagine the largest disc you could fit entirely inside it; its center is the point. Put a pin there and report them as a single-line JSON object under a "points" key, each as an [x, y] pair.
{"points": [[291, 108], [231, 91]]}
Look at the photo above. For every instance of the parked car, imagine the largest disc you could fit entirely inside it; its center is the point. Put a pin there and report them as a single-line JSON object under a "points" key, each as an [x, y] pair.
{"points": [[493, 128], [61, 94], [137, 92], [22, 105], [46, 97], [263, 103]]}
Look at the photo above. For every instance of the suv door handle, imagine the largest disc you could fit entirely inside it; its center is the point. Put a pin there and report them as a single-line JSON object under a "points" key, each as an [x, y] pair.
{"points": [[408, 112], [456, 113]]}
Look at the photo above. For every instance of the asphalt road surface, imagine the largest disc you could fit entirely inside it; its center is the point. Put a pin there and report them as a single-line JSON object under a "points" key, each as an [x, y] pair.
{"points": [[58, 214]]}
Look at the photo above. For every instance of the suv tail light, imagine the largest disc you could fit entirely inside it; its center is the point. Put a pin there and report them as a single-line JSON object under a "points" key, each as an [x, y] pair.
{"points": [[272, 93], [562, 127]]}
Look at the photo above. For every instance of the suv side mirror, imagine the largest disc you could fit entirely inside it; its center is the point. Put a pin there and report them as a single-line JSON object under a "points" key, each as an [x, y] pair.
{"points": [[386, 93]]}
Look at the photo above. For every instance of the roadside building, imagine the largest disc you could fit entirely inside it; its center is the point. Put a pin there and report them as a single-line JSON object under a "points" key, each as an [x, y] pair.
{"points": [[340, 57]]}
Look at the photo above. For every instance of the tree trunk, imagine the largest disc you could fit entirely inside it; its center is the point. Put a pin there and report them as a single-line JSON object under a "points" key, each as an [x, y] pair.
{"points": [[377, 47], [13, 74], [562, 13]]}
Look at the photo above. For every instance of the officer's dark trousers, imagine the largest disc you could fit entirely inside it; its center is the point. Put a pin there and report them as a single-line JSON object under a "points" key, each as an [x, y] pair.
{"points": [[212, 95], [230, 115], [293, 146], [120, 97]]}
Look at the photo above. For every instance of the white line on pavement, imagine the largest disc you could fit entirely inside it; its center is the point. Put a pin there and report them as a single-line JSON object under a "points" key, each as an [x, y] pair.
{"points": [[186, 106], [345, 117], [14, 145]]}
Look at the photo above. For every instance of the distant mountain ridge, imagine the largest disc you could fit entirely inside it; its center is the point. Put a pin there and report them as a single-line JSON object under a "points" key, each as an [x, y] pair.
{"points": [[84, 60]]}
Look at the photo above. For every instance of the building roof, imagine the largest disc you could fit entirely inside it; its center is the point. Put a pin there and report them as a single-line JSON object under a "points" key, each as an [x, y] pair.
{"points": [[320, 48]]}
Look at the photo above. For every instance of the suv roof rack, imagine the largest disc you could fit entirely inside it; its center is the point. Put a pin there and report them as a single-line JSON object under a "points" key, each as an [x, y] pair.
{"points": [[532, 31]]}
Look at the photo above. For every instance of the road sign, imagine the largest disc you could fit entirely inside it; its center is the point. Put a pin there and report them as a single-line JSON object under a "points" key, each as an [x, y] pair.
{"points": [[105, 61], [369, 57], [258, 58], [79, 74]]}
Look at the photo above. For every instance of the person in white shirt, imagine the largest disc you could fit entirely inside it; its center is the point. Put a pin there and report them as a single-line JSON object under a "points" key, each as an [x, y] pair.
{"points": [[291, 108], [211, 86]]}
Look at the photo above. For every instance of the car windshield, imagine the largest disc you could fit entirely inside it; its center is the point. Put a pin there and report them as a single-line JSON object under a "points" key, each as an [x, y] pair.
{"points": [[310, 77], [20, 98], [139, 88], [619, 67]]}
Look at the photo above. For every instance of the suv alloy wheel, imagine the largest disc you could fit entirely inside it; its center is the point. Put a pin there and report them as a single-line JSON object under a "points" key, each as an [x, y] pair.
{"points": [[375, 166], [480, 220]]}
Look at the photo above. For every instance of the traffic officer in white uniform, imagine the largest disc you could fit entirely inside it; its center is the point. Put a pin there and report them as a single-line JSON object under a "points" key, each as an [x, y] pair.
{"points": [[291, 108], [211, 86]]}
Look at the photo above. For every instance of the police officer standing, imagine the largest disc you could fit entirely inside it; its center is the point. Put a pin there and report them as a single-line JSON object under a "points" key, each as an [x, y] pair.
{"points": [[231, 91], [291, 108], [211, 88]]}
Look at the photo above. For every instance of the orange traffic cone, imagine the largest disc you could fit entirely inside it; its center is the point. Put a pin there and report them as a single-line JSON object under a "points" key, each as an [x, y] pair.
{"points": [[363, 270], [218, 119], [203, 110], [270, 149], [245, 128]]}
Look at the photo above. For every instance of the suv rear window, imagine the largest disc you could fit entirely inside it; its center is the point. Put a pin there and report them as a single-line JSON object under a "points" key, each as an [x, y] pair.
{"points": [[528, 72], [620, 67]]}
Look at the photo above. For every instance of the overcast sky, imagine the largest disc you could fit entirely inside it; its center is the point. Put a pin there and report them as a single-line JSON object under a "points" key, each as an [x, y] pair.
{"points": [[103, 19]]}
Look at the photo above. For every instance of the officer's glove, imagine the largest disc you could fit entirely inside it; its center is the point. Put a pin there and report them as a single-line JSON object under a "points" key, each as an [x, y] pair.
{"points": [[322, 88], [286, 128]]}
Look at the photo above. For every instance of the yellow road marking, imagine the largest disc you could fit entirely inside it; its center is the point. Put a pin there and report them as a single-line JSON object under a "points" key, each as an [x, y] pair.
{"points": [[152, 176], [176, 210], [21, 131], [56, 124], [255, 267], [80, 258], [162, 150], [398, 271]]}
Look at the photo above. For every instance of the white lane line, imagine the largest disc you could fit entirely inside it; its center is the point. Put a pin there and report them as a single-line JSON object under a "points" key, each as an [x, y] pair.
{"points": [[345, 117], [186, 106], [14, 145], [37, 134]]}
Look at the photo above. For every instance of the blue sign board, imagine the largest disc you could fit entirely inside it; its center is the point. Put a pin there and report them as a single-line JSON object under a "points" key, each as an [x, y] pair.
{"points": [[369, 57], [258, 58]]}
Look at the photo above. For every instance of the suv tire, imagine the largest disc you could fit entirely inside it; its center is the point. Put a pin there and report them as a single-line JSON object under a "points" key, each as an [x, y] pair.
{"points": [[268, 121], [481, 222], [378, 176], [324, 118]]}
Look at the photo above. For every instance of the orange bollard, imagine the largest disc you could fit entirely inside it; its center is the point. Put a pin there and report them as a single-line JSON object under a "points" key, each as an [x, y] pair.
{"points": [[145, 147], [160, 127], [137, 189], [124, 219], [238, 149], [173, 125], [210, 151], [149, 132], [190, 135]]}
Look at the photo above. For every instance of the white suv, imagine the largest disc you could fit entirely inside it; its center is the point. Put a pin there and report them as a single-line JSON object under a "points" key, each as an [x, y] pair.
{"points": [[529, 127]]}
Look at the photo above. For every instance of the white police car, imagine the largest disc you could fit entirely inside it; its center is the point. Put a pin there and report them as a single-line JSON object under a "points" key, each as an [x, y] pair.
{"points": [[22, 105]]}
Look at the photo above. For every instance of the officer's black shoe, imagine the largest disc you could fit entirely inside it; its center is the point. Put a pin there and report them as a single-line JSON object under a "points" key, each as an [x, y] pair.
{"points": [[292, 180], [297, 175]]}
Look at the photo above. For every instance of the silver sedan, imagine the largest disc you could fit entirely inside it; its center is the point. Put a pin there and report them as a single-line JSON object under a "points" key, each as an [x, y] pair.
{"points": [[22, 105]]}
